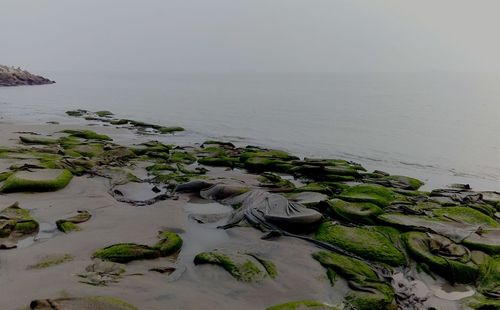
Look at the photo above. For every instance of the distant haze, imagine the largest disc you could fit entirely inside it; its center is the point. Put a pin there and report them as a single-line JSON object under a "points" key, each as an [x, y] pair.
{"points": [[251, 35]]}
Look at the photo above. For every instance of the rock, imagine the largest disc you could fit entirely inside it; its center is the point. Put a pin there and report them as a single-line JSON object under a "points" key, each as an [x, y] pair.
{"points": [[371, 243], [83, 303], [444, 257], [242, 266], [302, 305], [69, 224], [46, 180], [10, 76], [376, 194], [360, 212], [368, 291], [16, 222], [100, 273], [169, 244]]}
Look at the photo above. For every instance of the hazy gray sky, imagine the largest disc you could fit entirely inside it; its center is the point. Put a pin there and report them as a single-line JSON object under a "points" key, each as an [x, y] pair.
{"points": [[251, 35]]}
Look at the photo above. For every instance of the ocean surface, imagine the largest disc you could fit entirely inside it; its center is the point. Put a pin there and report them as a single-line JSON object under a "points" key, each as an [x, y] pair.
{"points": [[442, 128]]}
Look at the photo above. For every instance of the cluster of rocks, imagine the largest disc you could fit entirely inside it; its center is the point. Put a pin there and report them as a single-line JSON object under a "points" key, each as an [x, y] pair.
{"points": [[10, 76], [367, 225]]}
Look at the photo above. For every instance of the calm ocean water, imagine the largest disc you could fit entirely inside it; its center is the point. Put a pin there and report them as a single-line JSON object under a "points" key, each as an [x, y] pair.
{"points": [[441, 128]]}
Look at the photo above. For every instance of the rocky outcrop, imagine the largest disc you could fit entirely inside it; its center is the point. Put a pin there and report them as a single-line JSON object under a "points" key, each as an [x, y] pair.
{"points": [[10, 76]]}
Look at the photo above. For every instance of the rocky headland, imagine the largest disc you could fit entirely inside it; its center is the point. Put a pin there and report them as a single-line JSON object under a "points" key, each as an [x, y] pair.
{"points": [[10, 76]]}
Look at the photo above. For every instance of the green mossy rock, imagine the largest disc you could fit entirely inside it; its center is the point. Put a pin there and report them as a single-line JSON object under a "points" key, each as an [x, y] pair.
{"points": [[87, 134], [127, 252], [480, 302], [37, 181], [169, 243], [465, 215], [359, 212], [104, 113], [451, 261], [368, 291], [396, 181], [370, 243], [488, 241], [219, 161], [16, 221], [242, 267], [38, 140], [182, 157], [77, 113], [167, 130], [83, 303], [302, 305], [376, 194], [275, 182]]}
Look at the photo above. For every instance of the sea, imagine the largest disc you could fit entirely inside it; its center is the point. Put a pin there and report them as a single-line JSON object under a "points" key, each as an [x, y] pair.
{"points": [[442, 128]]}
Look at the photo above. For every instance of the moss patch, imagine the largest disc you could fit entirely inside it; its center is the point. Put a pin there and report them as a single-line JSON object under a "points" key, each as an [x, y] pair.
{"points": [[52, 261], [375, 194], [302, 305], [360, 212]]}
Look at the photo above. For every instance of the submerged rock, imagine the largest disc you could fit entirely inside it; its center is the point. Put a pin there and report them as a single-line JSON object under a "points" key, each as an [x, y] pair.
{"points": [[10, 76], [100, 273]]}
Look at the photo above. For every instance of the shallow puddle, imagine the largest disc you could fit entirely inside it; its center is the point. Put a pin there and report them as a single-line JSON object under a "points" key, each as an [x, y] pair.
{"points": [[47, 231], [453, 292]]}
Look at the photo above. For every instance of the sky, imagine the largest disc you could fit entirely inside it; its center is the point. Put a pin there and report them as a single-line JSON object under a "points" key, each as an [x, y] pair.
{"points": [[251, 35]]}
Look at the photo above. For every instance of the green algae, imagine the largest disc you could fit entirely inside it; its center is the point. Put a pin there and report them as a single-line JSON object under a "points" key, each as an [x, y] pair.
{"points": [[169, 130], [368, 243], [182, 157], [14, 183], [52, 261], [276, 182]]}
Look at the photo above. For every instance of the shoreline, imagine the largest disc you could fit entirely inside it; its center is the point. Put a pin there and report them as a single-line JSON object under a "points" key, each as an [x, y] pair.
{"points": [[114, 202]]}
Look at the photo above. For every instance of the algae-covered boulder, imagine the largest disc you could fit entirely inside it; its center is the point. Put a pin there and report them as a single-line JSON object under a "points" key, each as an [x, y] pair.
{"points": [[127, 252], [489, 280], [16, 222], [486, 240], [360, 212], [87, 134], [444, 257], [465, 215], [46, 180], [70, 224], [368, 291], [396, 181], [38, 140], [82, 303], [376, 194], [169, 244], [242, 267], [302, 305], [372, 243]]}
